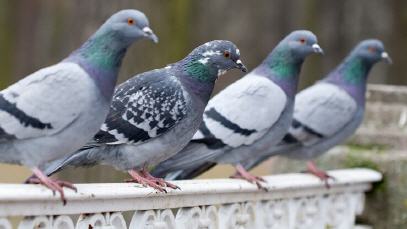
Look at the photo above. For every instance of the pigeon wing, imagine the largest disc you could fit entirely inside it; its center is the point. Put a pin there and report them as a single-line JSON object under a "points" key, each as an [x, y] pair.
{"points": [[242, 113], [321, 111], [143, 107], [44, 103]]}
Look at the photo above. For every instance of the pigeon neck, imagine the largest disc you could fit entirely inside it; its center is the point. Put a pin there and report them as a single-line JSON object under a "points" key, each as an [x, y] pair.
{"points": [[351, 75], [197, 78], [283, 69], [104, 50], [197, 88], [198, 69], [101, 57]]}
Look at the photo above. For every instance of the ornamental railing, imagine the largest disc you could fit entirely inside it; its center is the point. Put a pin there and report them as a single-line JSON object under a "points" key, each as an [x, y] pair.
{"points": [[293, 201]]}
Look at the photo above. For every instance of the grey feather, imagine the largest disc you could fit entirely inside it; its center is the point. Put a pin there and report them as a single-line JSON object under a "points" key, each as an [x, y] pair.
{"points": [[155, 114], [144, 107], [316, 106], [42, 116], [314, 130], [327, 113], [250, 115], [57, 109], [149, 108]]}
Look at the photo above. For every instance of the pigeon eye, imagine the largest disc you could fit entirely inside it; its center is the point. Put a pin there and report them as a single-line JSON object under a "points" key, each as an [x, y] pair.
{"points": [[226, 54], [130, 21], [302, 40], [371, 49]]}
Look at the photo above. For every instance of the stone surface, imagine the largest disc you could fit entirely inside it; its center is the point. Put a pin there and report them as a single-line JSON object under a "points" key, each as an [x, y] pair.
{"points": [[293, 201]]}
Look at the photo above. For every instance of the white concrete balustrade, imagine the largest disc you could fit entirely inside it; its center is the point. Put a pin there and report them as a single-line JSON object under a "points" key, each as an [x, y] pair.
{"points": [[293, 201]]}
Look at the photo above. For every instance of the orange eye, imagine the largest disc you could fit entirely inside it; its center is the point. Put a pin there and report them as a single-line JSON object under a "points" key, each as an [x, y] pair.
{"points": [[372, 49], [130, 21], [226, 54], [302, 40]]}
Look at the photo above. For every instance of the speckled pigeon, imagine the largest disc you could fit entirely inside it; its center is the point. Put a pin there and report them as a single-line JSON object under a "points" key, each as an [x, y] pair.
{"points": [[248, 116], [155, 114], [57, 109], [330, 111]]}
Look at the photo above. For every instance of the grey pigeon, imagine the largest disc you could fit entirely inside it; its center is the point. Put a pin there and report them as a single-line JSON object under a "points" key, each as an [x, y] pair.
{"points": [[330, 111], [57, 109], [248, 116], [155, 114]]}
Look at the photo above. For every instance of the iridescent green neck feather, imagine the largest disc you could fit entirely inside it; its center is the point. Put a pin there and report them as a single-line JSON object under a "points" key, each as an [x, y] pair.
{"points": [[101, 57], [198, 70], [104, 51], [280, 62], [355, 70], [351, 76], [282, 68]]}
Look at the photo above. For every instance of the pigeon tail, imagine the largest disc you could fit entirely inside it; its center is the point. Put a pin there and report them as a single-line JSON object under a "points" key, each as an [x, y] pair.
{"points": [[190, 173]]}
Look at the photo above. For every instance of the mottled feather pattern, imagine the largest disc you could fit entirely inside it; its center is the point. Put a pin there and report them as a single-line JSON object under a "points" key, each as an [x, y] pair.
{"points": [[143, 110], [234, 118], [155, 114]]}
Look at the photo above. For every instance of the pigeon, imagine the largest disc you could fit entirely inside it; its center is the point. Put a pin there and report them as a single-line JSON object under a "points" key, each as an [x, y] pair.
{"points": [[330, 111], [248, 116], [57, 109], [155, 114]]}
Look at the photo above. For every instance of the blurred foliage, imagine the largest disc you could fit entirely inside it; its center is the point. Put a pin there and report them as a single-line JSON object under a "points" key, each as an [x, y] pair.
{"points": [[34, 34]]}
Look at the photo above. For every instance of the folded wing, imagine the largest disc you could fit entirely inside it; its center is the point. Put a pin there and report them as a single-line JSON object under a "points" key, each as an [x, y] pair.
{"points": [[143, 107], [321, 111], [242, 113], [43, 103]]}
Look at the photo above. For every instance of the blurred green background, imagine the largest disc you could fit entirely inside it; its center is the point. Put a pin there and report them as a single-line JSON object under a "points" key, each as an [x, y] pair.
{"points": [[35, 34]]}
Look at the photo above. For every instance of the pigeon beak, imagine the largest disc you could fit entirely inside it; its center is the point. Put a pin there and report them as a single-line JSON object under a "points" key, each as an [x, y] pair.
{"points": [[386, 58], [240, 65], [150, 34], [317, 49]]}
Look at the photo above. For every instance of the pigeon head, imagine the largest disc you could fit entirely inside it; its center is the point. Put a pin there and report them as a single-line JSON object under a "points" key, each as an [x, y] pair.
{"points": [[352, 73], [356, 66], [283, 64], [102, 54], [287, 57], [105, 49], [129, 25], [371, 51], [301, 43], [213, 59]]}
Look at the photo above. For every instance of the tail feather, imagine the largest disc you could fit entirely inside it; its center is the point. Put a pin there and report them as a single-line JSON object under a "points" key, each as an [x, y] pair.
{"points": [[81, 158], [282, 149], [190, 173], [193, 156], [55, 166]]}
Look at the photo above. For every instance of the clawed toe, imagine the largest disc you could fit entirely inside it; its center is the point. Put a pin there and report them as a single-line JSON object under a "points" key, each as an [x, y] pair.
{"points": [[146, 183], [170, 185], [326, 177], [53, 185], [150, 181], [241, 173], [321, 174], [260, 179], [66, 184]]}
